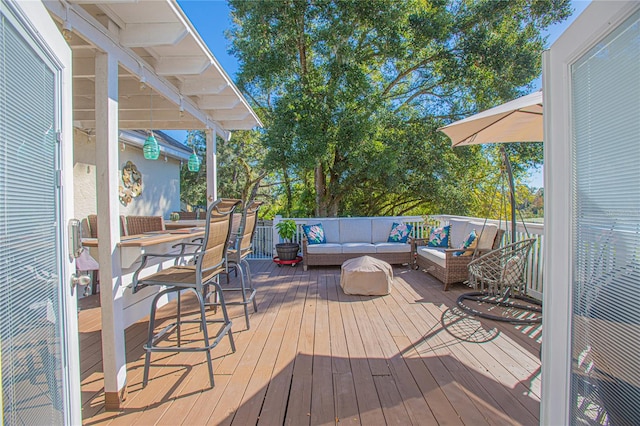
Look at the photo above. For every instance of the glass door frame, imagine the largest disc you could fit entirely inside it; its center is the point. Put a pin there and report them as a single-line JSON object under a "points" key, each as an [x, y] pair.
{"points": [[38, 29], [595, 23]]}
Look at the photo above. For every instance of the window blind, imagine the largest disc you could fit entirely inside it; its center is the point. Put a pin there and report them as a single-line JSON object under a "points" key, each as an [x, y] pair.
{"points": [[605, 385], [30, 332]]}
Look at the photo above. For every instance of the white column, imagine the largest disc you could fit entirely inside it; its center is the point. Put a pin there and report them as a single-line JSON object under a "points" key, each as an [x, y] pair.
{"points": [[107, 162], [212, 167]]}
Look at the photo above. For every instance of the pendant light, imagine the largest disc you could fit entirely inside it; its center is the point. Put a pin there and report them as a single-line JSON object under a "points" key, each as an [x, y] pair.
{"points": [[151, 149], [194, 162]]}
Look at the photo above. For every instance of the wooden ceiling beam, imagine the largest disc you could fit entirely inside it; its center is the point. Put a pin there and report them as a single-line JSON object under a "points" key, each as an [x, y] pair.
{"points": [[152, 34]]}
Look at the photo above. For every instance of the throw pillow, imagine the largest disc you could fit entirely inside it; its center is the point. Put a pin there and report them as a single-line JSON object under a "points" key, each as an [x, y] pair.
{"points": [[399, 233], [439, 237], [470, 242], [314, 233]]}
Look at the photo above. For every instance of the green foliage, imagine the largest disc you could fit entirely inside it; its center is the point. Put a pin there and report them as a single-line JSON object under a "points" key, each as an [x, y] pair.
{"points": [[353, 93], [287, 229], [193, 185], [239, 170]]}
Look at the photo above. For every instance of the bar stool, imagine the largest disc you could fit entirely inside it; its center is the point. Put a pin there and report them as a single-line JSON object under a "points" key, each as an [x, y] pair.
{"points": [[208, 262], [241, 247]]}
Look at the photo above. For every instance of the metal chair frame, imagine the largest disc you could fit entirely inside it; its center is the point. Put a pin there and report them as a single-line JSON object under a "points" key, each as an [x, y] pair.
{"points": [[500, 276], [240, 248], [208, 263]]}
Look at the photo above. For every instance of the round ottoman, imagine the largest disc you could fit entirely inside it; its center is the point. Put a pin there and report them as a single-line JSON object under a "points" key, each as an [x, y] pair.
{"points": [[366, 276]]}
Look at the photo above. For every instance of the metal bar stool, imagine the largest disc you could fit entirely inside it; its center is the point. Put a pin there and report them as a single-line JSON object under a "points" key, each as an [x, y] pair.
{"points": [[240, 247], [208, 262]]}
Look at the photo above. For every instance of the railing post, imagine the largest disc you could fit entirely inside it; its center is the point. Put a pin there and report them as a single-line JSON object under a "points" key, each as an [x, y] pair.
{"points": [[274, 231]]}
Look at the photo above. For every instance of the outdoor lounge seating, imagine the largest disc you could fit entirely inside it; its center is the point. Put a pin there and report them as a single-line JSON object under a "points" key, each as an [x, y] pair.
{"points": [[194, 215], [499, 275], [141, 224], [92, 223], [449, 264], [347, 238], [208, 263]]}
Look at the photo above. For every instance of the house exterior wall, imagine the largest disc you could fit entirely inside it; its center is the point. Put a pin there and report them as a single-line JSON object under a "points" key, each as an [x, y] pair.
{"points": [[160, 181]]}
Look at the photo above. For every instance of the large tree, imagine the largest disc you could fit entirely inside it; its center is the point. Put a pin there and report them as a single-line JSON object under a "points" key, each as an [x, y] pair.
{"points": [[240, 170], [354, 92]]}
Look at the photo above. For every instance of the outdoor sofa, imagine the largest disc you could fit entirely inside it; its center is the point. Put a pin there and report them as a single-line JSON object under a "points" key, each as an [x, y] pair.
{"points": [[449, 264], [348, 238]]}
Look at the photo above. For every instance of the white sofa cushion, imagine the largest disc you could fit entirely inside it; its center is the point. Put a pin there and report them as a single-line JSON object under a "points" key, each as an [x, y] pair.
{"points": [[392, 247], [326, 248], [434, 254], [355, 230], [364, 248], [380, 229], [458, 232], [331, 230], [485, 236]]}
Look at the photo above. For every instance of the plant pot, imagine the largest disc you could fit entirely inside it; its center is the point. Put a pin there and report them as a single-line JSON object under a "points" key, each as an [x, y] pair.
{"points": [[287, 251]]}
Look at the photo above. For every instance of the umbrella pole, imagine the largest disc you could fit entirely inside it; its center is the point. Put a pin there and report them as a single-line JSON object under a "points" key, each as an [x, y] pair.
{"points": [[512, 192]]}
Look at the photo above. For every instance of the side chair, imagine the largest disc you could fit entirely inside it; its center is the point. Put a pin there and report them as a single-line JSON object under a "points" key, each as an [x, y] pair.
{"points": [[208, 262]]}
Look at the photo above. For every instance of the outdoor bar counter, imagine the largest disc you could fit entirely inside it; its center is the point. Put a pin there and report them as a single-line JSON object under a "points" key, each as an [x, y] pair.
{"points": [[131, 249], [178, 224]]}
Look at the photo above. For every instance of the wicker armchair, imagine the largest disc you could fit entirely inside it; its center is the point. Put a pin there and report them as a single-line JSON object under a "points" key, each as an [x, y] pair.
{"points": [[454, 267], [141, 224], [188, 215], [92, 221]]}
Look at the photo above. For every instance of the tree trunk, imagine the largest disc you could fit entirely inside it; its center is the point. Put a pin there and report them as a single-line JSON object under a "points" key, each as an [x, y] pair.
{"points": [[287, 188], [321, 191]]}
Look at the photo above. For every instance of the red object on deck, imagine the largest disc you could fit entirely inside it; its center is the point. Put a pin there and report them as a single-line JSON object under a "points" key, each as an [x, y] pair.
{"points": [[293, 262]]}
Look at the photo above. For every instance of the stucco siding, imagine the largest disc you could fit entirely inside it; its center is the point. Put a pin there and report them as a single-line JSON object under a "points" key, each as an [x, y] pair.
{"points": [[160, 181]]}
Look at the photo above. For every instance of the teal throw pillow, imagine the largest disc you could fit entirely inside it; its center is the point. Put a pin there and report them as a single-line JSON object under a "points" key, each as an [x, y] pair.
{"points": [[399, 233], [439, 237], [314, 233], [470, 242]]}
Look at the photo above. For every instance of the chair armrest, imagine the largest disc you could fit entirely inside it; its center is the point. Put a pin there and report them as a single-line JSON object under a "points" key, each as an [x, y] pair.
{"points": [[450, 252], [135, 283], [305, 244], [415, 242]]}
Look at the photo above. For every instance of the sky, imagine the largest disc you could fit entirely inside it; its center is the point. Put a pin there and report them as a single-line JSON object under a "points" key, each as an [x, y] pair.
{"points": [[211, 19]]}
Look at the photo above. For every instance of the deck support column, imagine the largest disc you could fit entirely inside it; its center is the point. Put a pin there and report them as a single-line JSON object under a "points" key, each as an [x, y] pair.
{"points": [[212, 167], [111, 291]]}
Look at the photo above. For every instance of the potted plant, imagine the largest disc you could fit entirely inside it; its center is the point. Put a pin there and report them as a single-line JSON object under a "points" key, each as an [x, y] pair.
{"points": [[174, 217], [287, 230]]}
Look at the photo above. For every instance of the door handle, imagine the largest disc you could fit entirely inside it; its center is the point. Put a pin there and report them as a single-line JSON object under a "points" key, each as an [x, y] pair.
{"points": [[77, 280]]}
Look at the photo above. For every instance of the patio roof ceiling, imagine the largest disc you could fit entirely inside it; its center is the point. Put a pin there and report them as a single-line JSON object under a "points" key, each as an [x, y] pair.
{"points": [[161, 55]]}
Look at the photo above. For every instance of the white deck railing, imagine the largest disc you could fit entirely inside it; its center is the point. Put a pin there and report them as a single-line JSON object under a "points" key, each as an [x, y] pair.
{"points": [[266, 237]]}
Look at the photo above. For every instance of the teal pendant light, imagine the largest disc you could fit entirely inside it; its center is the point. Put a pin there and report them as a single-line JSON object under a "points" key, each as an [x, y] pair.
{"points": [[194, 162], [151, 149]]}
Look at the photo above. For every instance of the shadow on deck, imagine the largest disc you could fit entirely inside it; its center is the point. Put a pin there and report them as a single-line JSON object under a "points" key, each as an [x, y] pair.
{"points": [[314, 355]]}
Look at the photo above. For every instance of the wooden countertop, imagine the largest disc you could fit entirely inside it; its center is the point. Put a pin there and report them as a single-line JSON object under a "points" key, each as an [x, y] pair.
{"points": [[177, 224], [149, 239]]}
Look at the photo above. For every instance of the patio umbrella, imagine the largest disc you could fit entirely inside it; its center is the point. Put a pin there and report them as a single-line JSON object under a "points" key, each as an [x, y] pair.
{"points": [[519, 120]]}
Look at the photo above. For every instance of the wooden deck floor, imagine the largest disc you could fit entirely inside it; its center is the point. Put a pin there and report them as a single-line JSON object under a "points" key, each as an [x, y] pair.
{"points": [[316, 356]]}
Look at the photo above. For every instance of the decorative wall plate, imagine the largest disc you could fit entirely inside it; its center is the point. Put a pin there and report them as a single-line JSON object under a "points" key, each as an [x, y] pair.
{"points": [[132, 180]]}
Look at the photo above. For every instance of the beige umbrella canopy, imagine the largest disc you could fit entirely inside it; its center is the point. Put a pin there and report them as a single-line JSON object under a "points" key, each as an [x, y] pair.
{"points": [[519, 120]]}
